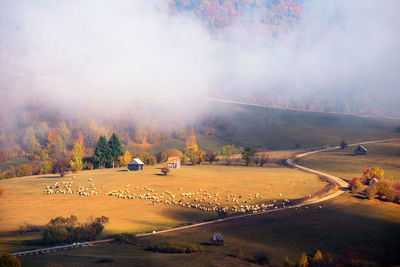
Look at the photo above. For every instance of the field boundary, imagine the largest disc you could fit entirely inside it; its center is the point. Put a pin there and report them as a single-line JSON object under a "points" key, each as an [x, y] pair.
{"points": [[343, 185]]}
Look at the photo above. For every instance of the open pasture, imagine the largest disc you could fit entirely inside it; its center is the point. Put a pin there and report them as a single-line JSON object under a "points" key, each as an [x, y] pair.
{"points": [[344, 164], [367, 229], [148, 200]]}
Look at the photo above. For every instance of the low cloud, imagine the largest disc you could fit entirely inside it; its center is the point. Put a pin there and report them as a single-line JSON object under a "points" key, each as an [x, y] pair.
{"points": [[109, 56]]}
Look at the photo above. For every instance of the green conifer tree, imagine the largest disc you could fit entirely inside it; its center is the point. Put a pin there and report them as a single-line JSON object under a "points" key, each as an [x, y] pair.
{"points": [[115, 151], [101, 153]]}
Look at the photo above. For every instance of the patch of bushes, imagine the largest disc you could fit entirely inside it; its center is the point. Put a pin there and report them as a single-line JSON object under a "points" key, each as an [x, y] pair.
{"points": [[28, 228], [355, 185], [237, 253], [262, 258], [67, 230], [124, 238], [8, 260], [24, 170], [175, 248]]}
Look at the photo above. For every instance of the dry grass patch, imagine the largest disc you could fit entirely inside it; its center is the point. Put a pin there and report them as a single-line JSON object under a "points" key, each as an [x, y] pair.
{"points": [[26, 200]]}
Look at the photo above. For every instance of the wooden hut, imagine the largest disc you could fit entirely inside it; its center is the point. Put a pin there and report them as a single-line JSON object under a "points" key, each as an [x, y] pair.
{"points": [[360, 150], [217, 240], [173, 162], [135, 165]]}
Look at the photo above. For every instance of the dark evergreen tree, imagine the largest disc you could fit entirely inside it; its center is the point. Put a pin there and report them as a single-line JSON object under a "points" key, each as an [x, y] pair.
{"points": [[247, 154], [115, 151], [101, 153]]}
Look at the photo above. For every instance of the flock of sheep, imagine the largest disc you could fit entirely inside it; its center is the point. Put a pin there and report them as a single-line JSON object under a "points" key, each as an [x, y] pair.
{"points": [[66, 188], [202, 199]]}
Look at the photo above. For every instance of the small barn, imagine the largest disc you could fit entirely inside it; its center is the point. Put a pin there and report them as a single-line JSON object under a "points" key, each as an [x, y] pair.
{"points": [[217, 240], [360, 150], [135, 165], [173, 162]]}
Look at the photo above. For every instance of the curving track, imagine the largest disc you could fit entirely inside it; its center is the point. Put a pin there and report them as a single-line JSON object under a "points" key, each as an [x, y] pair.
{"points": [[343, 185]]}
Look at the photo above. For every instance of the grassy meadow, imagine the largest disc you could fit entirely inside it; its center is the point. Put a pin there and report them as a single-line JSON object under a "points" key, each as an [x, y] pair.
{"points": [[25, 201], [367, 229], [344, 164], [285, 129]]}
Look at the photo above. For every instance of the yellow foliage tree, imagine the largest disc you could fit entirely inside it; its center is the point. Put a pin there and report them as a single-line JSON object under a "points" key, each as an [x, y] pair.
{"points": [[125, 158], [51, 137], [318, 256], [191, 143], [77, 155], [377, 172], [303, 262]]}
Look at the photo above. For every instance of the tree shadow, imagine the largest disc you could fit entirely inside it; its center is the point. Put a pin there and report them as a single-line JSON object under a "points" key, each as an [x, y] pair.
{"points": [[123, 170], [48, 177], [160, 174]]}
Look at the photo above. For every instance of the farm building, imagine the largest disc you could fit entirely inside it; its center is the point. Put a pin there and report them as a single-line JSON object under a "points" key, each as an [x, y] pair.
{"points": [[360, 150], [217, 240], [173, 162], [135, 165]]}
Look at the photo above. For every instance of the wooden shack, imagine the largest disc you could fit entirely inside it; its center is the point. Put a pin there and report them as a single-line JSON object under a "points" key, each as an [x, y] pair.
{"points": [[217, 240], [135, 165], [360, 150], [173, 162]]}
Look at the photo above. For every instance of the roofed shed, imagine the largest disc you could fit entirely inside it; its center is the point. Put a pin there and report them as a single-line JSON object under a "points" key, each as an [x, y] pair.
{"points": [[217, 240], [135, 165], [360, 150], [173, 162]]}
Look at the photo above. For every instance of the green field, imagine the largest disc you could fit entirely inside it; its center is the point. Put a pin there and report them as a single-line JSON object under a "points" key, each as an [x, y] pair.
{"points": [[208, 186], [344, 164], [371, 229]]}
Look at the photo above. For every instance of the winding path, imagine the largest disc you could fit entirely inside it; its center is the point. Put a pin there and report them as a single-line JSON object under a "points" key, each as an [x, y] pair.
{"points": [[343, 185]]}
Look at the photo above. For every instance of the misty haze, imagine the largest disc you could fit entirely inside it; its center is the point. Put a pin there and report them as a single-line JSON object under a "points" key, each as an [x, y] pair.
{"points": [[199, 132]]}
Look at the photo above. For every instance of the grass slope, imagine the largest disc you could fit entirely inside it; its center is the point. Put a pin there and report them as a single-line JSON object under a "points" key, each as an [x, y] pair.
{"points": [[283, 129], [370, 229], [342, 163]]}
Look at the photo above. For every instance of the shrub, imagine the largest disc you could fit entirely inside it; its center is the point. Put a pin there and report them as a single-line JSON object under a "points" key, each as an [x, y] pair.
{"points": [[24, 170], [161, 156], [318, 256], [237, 253], [149, 160], [371, 191], [355, 185], [61, 166], [165, 170], [46, 167], [377, 173], [61, 230], [123, 238], [1, 192], [211, 156], [174, 248], [303, 262], [289, 263], [262, 258], [8, 260], [383, 188]]}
